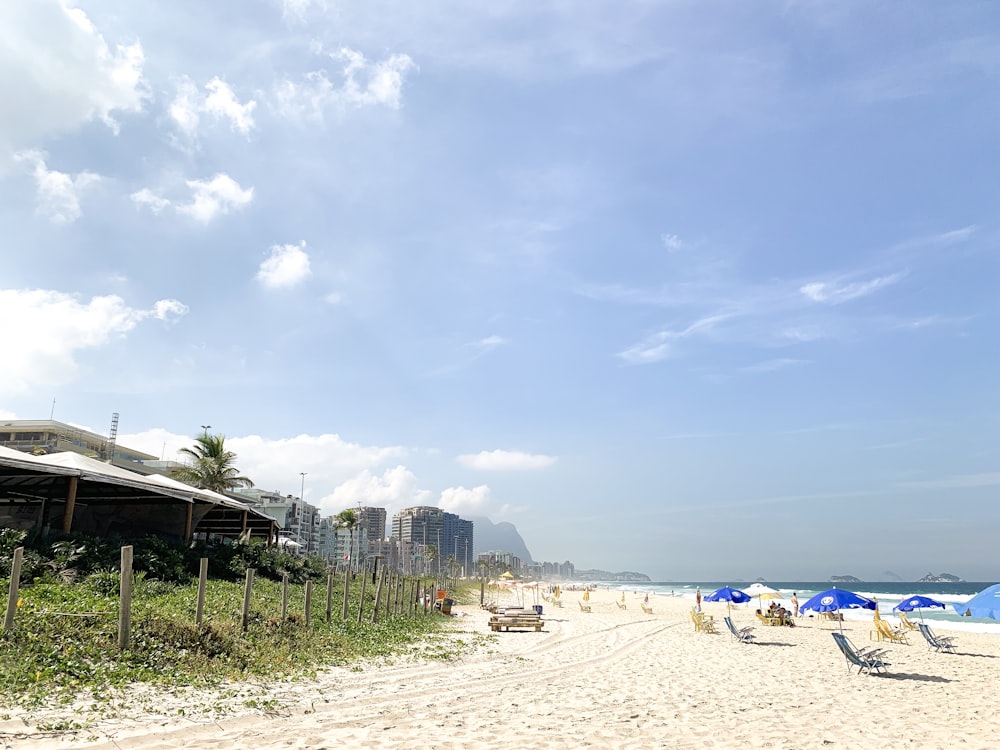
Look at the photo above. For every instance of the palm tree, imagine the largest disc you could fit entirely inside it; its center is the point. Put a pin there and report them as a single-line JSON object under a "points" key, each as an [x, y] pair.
{"points": [[348, 519], [211, 465], [430, 555]]}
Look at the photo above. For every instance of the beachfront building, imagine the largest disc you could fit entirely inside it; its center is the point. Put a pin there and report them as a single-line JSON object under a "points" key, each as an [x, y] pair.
{"points": [[349, 548], [302, 530], [422, 527], [45, 436], [497, 562], [552, 571]]}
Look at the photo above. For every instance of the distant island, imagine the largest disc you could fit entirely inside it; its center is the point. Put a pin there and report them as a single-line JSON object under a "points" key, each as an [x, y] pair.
{"points": [[941, 578], [604, 575], [844, 579]]}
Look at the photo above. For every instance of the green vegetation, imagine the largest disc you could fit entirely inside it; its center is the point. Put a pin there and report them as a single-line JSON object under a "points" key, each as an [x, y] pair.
{"points": [[64, 648]]}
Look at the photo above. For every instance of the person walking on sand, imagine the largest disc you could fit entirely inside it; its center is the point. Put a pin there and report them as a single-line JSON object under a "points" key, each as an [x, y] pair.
{"points": [[795, 604], [697, 598]]}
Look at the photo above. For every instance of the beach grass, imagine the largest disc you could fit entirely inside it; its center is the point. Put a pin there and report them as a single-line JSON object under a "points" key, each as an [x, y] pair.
{"points": [[65, 641]]}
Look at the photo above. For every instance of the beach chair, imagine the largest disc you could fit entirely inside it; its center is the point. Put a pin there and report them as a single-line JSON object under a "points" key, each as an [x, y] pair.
{"points": [[646, 608], [905, 622], [936, 642], [743, 635], [696, 620], [621, 605], [865, 661], [584, 607], [888, 633], [705, 624], [767, 620]]}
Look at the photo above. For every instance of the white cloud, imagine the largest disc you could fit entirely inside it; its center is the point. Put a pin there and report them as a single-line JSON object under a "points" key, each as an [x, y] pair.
{"points": [[220, 102], [297, 9], [286, 266], [835, 293], [58, 192], [501, 460], [672, 242], [489, 343], [361, 84], [220, 195], [53, 327], [460, 500], [396, 488], [59, 72], [148, 198]]}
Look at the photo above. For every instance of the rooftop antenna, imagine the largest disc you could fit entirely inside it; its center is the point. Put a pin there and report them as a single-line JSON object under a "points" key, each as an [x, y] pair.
{"points": [[52, 413], [112, 437]]}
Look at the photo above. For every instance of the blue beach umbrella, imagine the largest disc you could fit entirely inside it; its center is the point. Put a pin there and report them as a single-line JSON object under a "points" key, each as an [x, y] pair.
{"points": [[984, 604], [729, 595], [833, 600], [917, 603]]}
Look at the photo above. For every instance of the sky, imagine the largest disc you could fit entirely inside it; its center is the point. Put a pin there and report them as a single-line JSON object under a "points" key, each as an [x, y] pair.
{"points": [[699, 290]]}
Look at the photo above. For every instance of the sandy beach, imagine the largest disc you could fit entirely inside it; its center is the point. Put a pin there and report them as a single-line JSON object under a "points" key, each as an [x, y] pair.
{"points": [[608, 678]]}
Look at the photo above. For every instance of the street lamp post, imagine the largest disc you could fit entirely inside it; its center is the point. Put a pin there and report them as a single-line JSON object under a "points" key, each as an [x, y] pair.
{"points": [[302, 513], [206, 428]]}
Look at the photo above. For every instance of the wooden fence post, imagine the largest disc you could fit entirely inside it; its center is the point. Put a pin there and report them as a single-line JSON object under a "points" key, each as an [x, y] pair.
{"points": [[329, 594], [247, 589], [347, 591], [12, 591], [361, 601], [125, 603], [309, 599], [378, 596], [284, 595], [202, 583]]}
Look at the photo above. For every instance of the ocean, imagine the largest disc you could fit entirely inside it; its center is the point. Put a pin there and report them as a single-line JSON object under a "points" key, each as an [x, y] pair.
{"points": [[887, 593]]}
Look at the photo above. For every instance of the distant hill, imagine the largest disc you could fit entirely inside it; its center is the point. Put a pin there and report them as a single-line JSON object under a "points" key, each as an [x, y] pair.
{"points": [[845, 579], [941, 578], [498, 537], [891, 576]]}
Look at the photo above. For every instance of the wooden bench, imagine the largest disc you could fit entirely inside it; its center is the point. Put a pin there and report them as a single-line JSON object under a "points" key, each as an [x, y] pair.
{"points": [[520, 621]]}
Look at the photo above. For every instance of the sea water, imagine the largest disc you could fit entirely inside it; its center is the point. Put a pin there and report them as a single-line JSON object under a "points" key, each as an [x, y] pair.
{"points": [[887, 593]]}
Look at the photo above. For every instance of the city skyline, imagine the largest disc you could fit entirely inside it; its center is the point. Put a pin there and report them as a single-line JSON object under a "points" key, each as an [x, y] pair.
{"points": [[643, 279]]}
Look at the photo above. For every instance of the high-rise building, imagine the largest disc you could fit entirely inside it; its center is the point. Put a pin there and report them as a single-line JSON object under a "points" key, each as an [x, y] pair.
{"points": [[421, 526], [372, 520]]}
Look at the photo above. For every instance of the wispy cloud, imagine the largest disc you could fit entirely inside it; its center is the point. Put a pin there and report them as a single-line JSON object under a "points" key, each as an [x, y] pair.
{"points": [[773, 365], [472, 351], [657, 346], [58, 192], [501, 460], [835, 292], [361, 83], [956, 482]]}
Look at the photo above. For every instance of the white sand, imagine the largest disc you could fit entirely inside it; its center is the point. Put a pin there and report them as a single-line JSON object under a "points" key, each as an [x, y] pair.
{"points": [[610, 678]]}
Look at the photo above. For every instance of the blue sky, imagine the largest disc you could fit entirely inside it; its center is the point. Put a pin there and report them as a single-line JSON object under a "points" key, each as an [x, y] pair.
{"points": [[700, 290]]}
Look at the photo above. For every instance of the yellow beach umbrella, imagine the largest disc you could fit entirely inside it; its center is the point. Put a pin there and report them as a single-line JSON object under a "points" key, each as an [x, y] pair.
{"points": [[586, 595]]}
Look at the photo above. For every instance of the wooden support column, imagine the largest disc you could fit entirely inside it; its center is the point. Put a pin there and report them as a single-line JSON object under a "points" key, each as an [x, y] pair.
{"points": [[67, 523], [188, 522], [246, 515]]}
